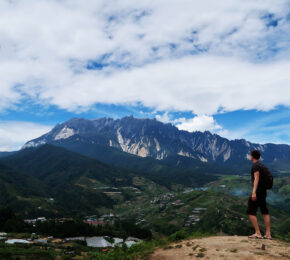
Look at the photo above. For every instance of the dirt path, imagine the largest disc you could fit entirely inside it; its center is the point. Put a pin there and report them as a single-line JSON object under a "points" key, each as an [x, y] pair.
{"points": [[224, 247]]}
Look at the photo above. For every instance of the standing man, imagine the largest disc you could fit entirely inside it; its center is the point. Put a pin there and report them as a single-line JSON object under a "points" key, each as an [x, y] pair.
{"points": [[259, 175]]}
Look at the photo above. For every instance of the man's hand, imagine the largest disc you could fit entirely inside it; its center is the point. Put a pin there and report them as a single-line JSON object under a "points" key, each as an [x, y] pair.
{"points": [[254, 197]]}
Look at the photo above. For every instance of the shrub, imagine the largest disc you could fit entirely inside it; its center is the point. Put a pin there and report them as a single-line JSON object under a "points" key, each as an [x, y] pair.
{"points": [[177, 236]]}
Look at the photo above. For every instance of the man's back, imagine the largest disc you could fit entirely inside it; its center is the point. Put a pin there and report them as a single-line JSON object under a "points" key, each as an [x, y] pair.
{"points": [[262, 169], [264, 173]]}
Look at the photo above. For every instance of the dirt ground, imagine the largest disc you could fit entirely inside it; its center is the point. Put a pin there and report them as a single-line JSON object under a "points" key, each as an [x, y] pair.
{"points": [[224, 247]]}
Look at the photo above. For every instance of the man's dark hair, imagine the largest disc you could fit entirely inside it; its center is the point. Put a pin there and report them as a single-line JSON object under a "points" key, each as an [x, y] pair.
{"points": [[256, 154]]}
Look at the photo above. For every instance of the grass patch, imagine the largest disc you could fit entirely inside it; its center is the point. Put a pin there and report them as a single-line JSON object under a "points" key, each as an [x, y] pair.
{"points": [[167, 247], [189, 244]]}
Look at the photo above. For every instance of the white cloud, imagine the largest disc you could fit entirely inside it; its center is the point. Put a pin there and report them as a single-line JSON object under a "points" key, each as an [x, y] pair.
{"points": [[164, 118], [13, 134], [46, 45], [198, 123]]}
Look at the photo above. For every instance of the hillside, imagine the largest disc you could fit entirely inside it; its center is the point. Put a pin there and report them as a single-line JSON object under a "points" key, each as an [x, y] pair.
{"points": [[224, 247], [68, 182], [16, 188], [60, 182], [197, 211], [5, 154], [165, 199]]}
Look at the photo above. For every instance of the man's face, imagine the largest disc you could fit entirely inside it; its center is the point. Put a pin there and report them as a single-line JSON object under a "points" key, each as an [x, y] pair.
{"points": [[253, 159]]}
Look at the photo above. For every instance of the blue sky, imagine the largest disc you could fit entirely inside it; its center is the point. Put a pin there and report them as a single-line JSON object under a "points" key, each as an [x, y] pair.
{"points": [[210, 65]]}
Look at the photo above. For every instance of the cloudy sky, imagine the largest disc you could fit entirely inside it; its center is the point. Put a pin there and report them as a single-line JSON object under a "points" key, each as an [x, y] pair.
{"points": [[222, 66]]}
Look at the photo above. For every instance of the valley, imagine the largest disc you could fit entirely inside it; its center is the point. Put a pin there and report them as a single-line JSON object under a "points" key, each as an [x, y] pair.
{"points": [[102, 192]]}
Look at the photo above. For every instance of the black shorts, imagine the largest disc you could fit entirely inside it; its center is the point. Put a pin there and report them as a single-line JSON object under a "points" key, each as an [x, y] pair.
{"points": [[259, 203]]}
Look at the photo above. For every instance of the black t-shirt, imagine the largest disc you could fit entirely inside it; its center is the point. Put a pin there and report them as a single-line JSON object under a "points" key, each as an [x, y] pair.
{"points": [[258, 167]]}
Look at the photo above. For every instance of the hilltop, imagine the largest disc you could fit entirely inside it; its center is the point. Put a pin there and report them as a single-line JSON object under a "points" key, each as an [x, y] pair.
{"points": [[224, 247]]}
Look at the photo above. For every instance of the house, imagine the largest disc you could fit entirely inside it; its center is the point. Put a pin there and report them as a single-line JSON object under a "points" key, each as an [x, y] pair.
{"points": [[130, 243], [57, 241], [17, 241], [41, 240], [94, 222], [97, 242], [133, 239], [75, 239], [117, 240], [30, 221], [111, 215], [41, 219]]}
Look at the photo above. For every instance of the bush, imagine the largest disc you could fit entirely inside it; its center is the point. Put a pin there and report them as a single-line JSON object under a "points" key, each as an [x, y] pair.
{"points": [[177, 236]]}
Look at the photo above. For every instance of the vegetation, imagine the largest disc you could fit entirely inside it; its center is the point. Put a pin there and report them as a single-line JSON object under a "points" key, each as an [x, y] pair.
{"points": [[31, 177], [152, 202], [9, 222], [122, 229]]}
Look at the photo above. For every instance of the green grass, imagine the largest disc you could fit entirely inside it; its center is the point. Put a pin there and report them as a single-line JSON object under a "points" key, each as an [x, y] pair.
{"points": [[31, 253]]}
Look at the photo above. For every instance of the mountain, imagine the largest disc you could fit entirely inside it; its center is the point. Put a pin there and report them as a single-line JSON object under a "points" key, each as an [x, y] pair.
{"points": [[16, 189], [68, 182], [151, 138], [5, 154]]}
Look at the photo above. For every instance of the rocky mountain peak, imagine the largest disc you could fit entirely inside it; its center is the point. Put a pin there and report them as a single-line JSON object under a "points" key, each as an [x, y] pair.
{"points": [[151, 138]]}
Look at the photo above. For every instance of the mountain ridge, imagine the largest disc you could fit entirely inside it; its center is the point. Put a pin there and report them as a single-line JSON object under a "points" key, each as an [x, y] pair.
{"points": [[152, 138]]}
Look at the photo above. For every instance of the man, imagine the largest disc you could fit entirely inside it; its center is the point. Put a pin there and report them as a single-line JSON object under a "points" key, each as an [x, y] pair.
{"points": [[258, 197]]}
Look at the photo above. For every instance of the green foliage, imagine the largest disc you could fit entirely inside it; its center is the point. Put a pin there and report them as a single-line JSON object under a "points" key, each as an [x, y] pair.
{"points": [[284, 230], [163, 227], [9, 222], [8, 252], [180, 235], [53, 172]]}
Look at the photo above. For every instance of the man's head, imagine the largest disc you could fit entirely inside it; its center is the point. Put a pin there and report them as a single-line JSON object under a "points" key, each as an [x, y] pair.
{"points": [[255, 156]]}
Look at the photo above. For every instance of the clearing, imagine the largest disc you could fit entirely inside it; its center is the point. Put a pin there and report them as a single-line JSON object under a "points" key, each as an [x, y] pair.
{"points": [[224, 247]]}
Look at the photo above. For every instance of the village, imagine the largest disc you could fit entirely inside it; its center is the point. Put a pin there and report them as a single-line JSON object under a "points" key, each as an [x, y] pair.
{"points": [[75, 247], [139, 208], [165, 204], [89, 241]]}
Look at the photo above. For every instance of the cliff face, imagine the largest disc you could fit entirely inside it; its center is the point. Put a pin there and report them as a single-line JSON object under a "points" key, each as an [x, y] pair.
{"points": [[151, 138]]}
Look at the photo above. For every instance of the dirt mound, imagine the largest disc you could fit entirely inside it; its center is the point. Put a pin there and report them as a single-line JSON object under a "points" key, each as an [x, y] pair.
{"points": [[224, 247]]}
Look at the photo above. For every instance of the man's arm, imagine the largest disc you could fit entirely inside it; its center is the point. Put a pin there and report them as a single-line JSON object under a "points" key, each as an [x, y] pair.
{"points": [[255, 186]]}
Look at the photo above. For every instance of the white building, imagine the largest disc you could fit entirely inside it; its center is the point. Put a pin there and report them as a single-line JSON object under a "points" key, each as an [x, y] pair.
{"points": [[98, 242], [17, 241]]}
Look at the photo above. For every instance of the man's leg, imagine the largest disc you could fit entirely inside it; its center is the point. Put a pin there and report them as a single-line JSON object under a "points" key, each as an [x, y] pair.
{"points": [[265, 212], [251, 212], [254, 221], [268, 225]]}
